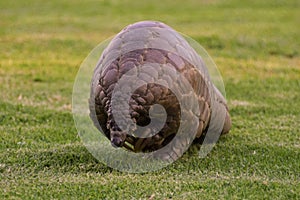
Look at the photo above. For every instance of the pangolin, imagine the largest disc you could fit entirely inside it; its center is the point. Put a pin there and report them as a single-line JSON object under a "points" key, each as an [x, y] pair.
{"points": [[161, 51]]}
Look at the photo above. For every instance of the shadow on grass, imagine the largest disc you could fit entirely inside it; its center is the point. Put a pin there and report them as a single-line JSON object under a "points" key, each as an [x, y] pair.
{"points": [[226, 157], [75, 158]]}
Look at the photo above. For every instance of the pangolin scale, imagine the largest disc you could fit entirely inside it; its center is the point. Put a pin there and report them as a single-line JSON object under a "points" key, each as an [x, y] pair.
{"points": [[128, 50]]}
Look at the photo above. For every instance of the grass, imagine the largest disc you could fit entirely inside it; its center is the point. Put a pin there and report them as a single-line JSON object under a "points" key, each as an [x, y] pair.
{"points": [[255, 44]]}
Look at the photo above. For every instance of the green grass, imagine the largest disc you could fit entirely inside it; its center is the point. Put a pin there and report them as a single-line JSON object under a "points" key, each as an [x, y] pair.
{"points": [[256, 46]]}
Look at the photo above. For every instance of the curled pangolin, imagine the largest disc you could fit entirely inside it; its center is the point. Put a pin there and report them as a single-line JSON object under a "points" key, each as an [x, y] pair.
{"points": [[158, 48]]}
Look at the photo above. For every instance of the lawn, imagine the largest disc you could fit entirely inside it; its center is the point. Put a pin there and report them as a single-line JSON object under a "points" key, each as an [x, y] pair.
{"points": [[256, 46]]}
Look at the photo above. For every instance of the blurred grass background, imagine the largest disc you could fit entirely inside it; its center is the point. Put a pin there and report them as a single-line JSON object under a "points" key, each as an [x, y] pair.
{"points": [[255, 44]]}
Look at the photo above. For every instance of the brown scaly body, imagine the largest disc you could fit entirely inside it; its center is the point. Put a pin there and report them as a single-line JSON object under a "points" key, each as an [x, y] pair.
{"points": [[111, 72]]}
